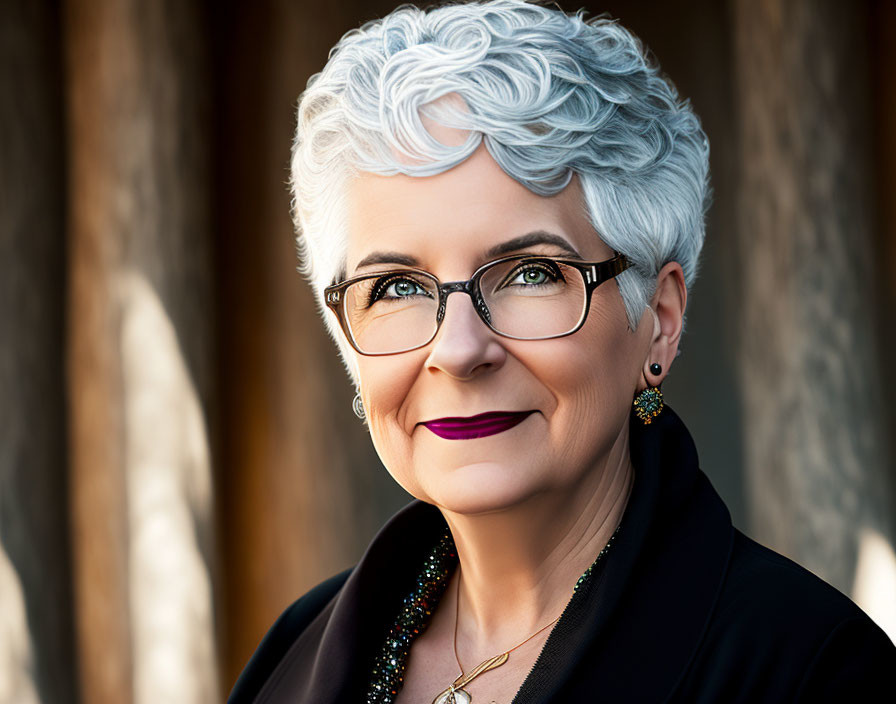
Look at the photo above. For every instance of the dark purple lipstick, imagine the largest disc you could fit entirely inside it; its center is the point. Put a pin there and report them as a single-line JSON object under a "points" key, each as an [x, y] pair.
{"points": [[480, 426]]}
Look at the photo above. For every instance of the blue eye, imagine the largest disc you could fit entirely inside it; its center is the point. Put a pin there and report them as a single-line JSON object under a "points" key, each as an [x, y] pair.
{"points": [[396, 288], [402, 288]]}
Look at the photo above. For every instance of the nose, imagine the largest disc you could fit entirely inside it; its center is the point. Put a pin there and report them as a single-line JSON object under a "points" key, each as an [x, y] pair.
{"points": [[465, 347]]}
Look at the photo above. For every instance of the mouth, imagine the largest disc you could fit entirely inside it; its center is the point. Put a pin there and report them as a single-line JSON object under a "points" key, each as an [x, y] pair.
{"points": [[480, 426]]}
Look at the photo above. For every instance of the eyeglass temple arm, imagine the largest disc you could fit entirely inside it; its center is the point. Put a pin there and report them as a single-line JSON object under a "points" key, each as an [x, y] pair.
{"points": [[596, 273]]}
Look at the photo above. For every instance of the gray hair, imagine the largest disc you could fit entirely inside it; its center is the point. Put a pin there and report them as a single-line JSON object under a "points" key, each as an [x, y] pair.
{"points": [[550, 94]]}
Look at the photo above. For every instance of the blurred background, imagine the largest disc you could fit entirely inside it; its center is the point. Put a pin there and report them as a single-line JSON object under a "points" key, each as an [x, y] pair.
{"points": [[178, 456]]}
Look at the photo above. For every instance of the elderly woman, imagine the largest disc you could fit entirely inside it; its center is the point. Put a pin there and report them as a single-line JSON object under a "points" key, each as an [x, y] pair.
{"points": [[501, 211]]}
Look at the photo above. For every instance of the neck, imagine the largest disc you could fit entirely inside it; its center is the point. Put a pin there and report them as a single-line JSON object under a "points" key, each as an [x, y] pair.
{"points": [[518, 566]]}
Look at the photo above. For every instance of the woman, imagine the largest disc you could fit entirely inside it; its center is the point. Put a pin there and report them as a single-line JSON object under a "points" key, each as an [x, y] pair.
{"points": [[563, 544]]}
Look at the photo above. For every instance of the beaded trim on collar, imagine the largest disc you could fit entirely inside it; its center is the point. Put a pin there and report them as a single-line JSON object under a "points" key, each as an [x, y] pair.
{"points": [[389, 667]]}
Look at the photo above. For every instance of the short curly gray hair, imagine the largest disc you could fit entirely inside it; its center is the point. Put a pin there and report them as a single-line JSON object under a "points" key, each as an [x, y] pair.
{"points": [[550, 94]]}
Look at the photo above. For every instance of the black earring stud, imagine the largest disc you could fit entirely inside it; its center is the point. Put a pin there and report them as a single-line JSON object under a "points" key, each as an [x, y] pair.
{"points": [[656, 369]]}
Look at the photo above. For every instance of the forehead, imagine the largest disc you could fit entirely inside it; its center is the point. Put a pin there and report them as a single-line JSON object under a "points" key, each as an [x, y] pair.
{"points": [[459, 214]]}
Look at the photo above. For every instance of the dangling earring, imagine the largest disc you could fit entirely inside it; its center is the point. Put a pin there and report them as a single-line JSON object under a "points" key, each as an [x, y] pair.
{"points": [[649, 403], [358, 407]]}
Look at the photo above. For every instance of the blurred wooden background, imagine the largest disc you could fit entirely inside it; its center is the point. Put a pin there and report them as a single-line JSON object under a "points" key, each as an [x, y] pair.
{"points": [[178, 456]]}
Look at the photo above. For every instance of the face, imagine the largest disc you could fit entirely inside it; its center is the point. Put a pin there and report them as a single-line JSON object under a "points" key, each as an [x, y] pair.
{"points": [[577, 389]]}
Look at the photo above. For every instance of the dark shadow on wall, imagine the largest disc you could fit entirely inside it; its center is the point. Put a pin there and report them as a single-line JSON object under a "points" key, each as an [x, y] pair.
{"points": [[34, 509]]}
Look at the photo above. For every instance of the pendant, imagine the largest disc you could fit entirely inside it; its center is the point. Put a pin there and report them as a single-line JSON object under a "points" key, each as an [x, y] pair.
{"points": [[455, 694]]}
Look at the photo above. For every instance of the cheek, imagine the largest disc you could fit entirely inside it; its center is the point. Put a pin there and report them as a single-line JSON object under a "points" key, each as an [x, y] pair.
{"points": [[386, 383], [600, 360], [593, 377]]}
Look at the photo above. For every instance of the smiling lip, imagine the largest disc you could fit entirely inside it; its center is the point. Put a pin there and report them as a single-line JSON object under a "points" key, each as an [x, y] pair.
{"points": [[480, 426]]}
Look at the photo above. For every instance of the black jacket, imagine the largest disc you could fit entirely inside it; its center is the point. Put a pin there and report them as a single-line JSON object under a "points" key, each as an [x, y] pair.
{"points": [[685, 609]]}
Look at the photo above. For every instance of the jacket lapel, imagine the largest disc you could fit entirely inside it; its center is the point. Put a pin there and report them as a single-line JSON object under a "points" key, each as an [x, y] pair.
{"points": [[626, 636], [330, 660], [632, 632]]}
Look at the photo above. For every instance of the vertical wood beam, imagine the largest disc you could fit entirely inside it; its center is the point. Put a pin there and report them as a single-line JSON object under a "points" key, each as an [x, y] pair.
{"points": [[140, 354]]}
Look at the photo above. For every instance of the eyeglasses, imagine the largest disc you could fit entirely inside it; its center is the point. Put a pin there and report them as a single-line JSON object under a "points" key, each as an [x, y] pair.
{"points": [[522, 297]]}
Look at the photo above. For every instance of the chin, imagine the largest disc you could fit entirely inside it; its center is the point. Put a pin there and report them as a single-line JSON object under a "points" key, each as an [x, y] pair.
{"points": [[480, 487]]}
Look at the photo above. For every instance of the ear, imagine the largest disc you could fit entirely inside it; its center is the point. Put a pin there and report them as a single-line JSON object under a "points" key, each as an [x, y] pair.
{"points": [[668, 306]]}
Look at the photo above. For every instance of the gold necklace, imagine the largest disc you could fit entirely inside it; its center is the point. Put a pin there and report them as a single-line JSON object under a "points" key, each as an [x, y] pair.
{"points": [[455, 693]]}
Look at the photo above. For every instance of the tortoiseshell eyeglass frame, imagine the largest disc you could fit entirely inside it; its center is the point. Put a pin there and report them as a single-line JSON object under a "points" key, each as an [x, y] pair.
{"points": [[593, 275]]}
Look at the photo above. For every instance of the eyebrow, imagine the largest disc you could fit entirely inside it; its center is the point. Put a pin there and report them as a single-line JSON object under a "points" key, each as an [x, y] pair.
{"points": [[530, 239]]}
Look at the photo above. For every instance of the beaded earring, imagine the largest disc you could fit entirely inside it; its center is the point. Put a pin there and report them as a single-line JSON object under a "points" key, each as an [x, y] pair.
{"points": [[649, 403]]}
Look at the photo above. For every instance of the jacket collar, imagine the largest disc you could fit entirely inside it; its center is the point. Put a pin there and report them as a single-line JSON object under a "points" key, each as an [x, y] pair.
{"points": [[637, 627], [645, 613]]}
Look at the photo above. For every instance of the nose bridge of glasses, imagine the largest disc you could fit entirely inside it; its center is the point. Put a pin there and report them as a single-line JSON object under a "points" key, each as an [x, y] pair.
{"points": [[468, 287]]}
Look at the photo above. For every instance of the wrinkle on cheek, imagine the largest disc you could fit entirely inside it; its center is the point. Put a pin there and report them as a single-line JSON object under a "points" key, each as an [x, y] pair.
{"points": [[387, 386], [609, 339], [590, 412], [389, 449], [402, 383], [597, 378]]}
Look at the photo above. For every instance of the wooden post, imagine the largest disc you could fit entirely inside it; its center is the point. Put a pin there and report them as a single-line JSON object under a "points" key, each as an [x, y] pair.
{"points": [[140, 354]]}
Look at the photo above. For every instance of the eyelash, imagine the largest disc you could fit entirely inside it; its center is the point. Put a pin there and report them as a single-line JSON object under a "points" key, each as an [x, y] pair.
{"points": [[552, 273], [382, 284]]}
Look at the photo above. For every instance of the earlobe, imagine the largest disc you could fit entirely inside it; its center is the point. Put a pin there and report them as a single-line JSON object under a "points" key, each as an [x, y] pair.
{"points": [[653, 373], [648, 403]]}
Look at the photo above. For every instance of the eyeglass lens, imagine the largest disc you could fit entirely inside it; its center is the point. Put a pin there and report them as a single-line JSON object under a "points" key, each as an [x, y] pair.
{"points": [[530, 299]]}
